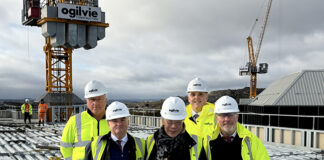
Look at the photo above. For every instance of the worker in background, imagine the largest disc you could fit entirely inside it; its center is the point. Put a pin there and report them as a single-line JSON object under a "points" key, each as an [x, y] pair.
{"points": [[200, 118], [85, 126], [231, 140], [172, 141], [42, 108], [27, 110], [118, 144]]}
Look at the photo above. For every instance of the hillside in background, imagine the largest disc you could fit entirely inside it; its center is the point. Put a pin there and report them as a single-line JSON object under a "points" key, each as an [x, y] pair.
{"points": [[137, 107]]}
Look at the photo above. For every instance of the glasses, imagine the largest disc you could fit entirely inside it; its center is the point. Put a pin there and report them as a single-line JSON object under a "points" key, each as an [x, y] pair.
{"points": [[176, 122], [229, 115]]}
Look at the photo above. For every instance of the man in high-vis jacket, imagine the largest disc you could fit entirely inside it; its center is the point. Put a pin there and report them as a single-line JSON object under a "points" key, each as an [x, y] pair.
{"points": [[42, 108], [82, 128], [200, 118], [118, 144], [172, 141], [27, 110], [231, 140]]}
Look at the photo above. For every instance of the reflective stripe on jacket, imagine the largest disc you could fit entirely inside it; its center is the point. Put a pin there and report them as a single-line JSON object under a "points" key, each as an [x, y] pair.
{"points": [[252, 147], [78, 133], [205, 123], [98, 147], [23, 107], [194, 150], [42, 108]]}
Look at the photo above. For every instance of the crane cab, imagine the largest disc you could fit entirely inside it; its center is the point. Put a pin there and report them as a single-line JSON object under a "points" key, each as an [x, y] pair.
{"points": [[31, 12]]}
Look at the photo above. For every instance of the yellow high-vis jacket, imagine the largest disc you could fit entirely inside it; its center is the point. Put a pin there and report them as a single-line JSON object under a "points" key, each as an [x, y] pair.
{"points": [[78, 133], [23, 108], [205, 123], [99, 144], [252, 146]]}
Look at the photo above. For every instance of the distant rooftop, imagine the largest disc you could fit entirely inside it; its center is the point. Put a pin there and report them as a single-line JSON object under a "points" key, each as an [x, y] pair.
{"points": [[299, 89]]}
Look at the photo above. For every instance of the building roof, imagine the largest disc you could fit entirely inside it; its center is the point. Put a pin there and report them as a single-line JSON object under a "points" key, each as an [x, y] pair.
{"points": [[61, 99], [299, 89]]}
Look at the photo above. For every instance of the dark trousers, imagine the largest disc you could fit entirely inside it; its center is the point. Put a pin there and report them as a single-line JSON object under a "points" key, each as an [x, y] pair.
{"points": [[27, 116]]}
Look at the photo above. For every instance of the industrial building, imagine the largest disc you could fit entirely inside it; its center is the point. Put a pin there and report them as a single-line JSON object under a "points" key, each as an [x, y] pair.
{"points": [[290, 110]]}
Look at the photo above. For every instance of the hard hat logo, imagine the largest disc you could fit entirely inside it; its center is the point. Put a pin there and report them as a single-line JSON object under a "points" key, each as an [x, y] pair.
{"points": [[227, 104], [93, 90], [116, 110], [197, 85], [173, 110]]}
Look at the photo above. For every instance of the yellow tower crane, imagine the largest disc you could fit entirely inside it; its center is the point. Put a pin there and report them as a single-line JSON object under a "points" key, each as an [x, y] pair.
{"points": [[251, 67]]}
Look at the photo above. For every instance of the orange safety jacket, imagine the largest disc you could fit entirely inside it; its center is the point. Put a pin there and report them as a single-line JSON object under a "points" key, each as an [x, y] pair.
{"points": [[27, 108], [42, 108]]}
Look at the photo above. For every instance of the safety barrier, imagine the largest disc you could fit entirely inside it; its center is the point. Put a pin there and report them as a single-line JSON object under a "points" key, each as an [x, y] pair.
{"points": [[147, 121]]}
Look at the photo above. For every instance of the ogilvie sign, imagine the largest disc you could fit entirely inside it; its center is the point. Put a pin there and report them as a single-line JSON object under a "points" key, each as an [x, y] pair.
{"points": [[77, 12]]}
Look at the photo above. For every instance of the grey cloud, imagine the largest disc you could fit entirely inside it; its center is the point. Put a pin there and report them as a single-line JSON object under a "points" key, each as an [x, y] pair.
{"points": [[153, 49]]}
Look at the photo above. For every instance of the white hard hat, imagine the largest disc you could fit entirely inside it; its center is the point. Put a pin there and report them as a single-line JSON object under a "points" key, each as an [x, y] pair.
{"points": [[116, 110], [197, 85], [226, 104], [26, 100], [173, 108], [94, 88]]}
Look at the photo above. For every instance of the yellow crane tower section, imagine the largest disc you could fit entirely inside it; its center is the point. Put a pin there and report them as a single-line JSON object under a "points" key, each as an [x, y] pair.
{"points": [[251, 67]]}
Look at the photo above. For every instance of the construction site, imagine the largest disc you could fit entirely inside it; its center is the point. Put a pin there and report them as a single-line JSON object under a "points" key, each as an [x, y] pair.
{"points": [[287, 116]]}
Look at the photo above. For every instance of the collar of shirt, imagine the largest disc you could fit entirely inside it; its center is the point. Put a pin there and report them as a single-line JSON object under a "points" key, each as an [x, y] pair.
{"points": [[123, 140], [193, 113], [233, 135]]}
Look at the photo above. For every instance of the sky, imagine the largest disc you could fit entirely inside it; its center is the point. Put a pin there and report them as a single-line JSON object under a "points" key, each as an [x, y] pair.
{"points": [[152, 49]]}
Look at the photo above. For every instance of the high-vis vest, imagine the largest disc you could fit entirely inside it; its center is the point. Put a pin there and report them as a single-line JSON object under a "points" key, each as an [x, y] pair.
{"points": [[252, 147], [194, 150], [205, 123], [42, 108], [98, 147], [30, 109], [78, 133]]}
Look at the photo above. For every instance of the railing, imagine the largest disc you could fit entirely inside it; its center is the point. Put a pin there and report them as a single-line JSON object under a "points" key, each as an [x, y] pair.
{"points": [[269, 116], [294, 136]]}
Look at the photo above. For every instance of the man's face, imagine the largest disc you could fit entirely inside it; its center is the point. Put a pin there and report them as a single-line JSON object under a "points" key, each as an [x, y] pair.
{"points": [[197, 99], [172, 127], [227, 122], [118, 126], [97, 104]]}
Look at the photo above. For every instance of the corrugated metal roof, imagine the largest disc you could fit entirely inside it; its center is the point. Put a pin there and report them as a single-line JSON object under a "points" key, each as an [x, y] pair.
{"points": [[31, 144], [299, 89]]}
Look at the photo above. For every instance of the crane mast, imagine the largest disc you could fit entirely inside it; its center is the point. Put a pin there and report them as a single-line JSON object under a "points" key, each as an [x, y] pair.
{"points": [[251, 67]]}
